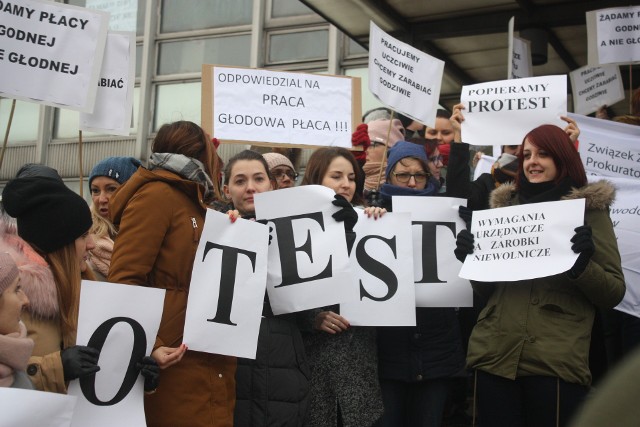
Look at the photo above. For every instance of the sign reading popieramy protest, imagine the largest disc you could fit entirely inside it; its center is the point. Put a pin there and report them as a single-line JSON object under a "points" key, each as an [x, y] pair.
{"points": [[114, 100], [261, 106], [123, 13], [227, 287], [618, 34], [403, 77], [436, 224], [625, 216], [121, 322], [308, 261], [51, 53], [523, 242], [609, 148], [513, 106], [593, 87], [382, 261], [33, 408]]}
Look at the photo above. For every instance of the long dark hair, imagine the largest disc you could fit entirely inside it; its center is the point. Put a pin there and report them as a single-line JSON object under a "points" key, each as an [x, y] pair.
{"points": [[245, 155], [189, 139], [557, 143], [318, 165]]}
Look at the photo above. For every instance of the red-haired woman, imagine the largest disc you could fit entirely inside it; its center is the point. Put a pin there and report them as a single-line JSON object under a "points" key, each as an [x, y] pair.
{"points": [[530, 346]]}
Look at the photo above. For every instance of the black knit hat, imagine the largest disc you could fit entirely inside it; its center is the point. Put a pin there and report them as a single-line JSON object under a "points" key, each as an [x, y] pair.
{"points": [[50, 215]]}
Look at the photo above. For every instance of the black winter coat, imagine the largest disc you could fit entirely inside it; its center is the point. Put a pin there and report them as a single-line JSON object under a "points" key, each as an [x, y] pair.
{"points": [[273, 389]]}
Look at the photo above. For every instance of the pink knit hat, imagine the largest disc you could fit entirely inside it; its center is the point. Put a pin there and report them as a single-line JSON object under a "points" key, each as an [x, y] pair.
{"points": [[277, 159], [8, 271], [378, 130]]}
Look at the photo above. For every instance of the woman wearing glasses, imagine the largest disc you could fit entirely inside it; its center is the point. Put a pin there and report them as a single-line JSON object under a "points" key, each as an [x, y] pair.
{"points": [[281, 170], [417, 365]]}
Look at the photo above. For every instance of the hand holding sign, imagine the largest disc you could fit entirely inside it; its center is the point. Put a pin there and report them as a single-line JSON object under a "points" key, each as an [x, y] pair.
{"points": [[79, 361], [583, 245]]}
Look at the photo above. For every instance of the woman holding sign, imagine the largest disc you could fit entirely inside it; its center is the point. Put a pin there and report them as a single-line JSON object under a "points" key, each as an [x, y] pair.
{"points": [[344, 379], [273, 389], [160, 212], [530, 346]]}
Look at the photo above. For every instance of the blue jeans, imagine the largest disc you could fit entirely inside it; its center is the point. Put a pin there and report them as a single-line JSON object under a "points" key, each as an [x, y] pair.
{"points": [[419, 404]]}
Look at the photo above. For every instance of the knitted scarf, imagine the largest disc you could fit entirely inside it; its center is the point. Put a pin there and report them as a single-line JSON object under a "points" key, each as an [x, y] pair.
{"points": [[371, 174], [542, 191], [187, 167], [15, 350], [389, 190]]}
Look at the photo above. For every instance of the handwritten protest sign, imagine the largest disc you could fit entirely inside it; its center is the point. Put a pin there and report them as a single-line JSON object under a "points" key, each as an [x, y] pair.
{"points": [[593, 87], [403, 77], [51, 53], [31, 408], [123, 13], [608, 148], [513, 106], [520, 66], [261, 106], [523, 242], [382, 261], [618, 35], [114, 100], [111, 320], [436, 224], [227, 287], [308, 261]]}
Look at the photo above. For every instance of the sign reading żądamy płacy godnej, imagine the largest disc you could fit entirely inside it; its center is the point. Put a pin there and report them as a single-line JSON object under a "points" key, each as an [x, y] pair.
{"points": [[51, 53]]}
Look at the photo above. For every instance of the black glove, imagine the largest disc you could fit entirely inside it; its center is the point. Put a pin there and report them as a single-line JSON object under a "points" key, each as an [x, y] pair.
{"points": [[346, 214], [150, 370], [465, 214], [464, 245], [78, 361], [265, 222], [374, 199], [583, 245]]}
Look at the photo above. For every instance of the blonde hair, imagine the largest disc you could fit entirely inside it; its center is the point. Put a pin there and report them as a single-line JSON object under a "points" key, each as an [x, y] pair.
{"points": [[67, 275], [101, 227]]}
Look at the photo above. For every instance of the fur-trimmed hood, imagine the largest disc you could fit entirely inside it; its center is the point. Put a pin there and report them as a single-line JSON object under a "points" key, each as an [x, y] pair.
{"points": [[35, 275], [598, 195]]}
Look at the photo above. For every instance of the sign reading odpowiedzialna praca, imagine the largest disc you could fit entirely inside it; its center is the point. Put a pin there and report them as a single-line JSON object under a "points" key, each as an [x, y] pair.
{"points": [[261, 106], [404, 78], [51, 53]]}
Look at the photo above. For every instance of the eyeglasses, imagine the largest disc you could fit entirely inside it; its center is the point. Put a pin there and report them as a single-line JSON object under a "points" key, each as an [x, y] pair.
{"points": [[435, 159], [376, 144], [279, 174], [404, 177]]}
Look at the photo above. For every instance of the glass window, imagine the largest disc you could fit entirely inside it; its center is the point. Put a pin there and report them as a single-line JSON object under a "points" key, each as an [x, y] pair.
{"points": [[24, 125], [188, 56], [138, 60], [368, 100], [299, 46], [142, 5], [177, 102], [204, 14], [354, 48], [286, 8]]}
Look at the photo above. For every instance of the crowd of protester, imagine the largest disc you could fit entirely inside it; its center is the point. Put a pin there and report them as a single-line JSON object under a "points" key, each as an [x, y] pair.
{"points": [[518, 357]]}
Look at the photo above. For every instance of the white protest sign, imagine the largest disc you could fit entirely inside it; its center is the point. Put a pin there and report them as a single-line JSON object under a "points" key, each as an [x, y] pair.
{"points": [[618, 35], [121, 321], [114, 99], [382, 260], [436, 224], [485, 164], [50, 53], [523, 242], [249, 105], [308, 265], [31, 408], [608, 148], [593, 87], [513, 106], [227, 288], [625, 216], [519, 56], [403, 77], [124, 13]]}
